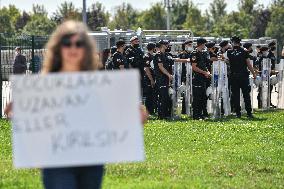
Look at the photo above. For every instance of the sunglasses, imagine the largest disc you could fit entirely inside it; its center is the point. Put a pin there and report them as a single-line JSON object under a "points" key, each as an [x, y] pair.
{"points": [[68, 43]]}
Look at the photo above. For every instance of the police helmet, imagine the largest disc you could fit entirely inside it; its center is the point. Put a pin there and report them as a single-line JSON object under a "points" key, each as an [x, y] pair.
{"points": [[236, 39], [273, 80], [151, 46], [120, 43], [210, 45], [201, 41], [223, 43], [209, 92], [188, 42], [247, 45], [257, 81], [163, 42]]}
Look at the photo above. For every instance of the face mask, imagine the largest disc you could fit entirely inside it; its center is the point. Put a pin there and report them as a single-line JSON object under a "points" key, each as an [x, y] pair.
{"points": [[136, 45], [265, 53], [189, 49]]}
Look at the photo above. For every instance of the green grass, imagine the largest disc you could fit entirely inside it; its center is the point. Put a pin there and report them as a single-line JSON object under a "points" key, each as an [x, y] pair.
{"points": [[233, 153]]}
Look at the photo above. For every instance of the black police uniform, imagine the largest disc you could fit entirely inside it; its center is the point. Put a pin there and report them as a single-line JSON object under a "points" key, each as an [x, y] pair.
{"points": [[258, 65], [134, 58], [199, 104], [118, 60], [239, 78], [184, 55], [149, 90], [162, 81]]}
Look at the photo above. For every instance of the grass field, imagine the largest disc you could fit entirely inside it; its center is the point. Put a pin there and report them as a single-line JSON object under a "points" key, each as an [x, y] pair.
{"points": [[233, 153]]}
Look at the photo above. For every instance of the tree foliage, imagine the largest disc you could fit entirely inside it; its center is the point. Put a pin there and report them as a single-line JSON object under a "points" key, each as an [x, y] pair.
{"points": [[125, 17], [97, 17], [217, 10], [66, 11], [153, 18]]}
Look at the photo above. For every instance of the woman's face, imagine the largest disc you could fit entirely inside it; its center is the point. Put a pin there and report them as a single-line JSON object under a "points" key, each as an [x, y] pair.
{"points": [[73, 51]]}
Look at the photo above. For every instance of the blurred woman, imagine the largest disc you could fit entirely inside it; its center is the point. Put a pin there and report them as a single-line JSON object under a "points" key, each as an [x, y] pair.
{"points": [[70, 49]]}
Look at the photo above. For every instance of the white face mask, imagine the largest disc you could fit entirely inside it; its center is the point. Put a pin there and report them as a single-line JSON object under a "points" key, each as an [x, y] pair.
{"points": [[265, 53], [189, 49]]}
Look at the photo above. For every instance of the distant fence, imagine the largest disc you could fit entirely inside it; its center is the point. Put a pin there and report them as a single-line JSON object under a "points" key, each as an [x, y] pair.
{"points": [[32, 48]]}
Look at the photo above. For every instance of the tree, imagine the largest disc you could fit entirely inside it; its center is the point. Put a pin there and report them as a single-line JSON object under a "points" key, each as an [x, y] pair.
{"points": [[195, 21], [66, 11], [260, 22], [39, 10], [179, 12], [6, 25], [234, 23], [154, 18], [22, 21], [39, 25], [97, 17], [217, 10], [13, 12], [247, 6], [275, 27], [125, 17]]}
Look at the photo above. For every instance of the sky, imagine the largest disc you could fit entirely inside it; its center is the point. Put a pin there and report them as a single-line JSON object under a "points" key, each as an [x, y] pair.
{"points": [[51, 5]]}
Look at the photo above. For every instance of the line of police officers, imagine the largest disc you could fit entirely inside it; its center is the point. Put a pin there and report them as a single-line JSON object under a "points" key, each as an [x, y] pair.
{"points": [[156, 71]]}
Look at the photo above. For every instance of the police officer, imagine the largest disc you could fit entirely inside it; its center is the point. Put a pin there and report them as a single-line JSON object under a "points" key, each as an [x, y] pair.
{"points": [[134, 56], [212, 55], [149, 78], [239, 64], [109, 62], [224, 46], [187, 48], [271, 54], [264, 53], [199, 58], [163, 78], [119, 60]]}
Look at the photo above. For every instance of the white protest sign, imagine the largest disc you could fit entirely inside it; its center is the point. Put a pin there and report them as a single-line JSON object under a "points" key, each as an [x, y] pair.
{"points": [[75, 119]]}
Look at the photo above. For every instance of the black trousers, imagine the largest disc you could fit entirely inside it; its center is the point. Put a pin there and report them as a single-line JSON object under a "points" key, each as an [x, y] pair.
{"points": [[241, 82], [259, 96], [165, 102], [149, 93], [199, 103]]}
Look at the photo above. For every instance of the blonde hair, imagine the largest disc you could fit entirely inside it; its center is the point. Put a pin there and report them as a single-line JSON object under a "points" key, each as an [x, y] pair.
{"points": [[53, 60]]}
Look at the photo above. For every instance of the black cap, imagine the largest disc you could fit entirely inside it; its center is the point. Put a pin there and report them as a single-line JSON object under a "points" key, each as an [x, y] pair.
{"points": [[210, 44], [120, 43], [113, 49], [151, 46], [264, 49], [236, 39], [163, 42], [188, 42], [271, 44], [223, 43], [247, 45], [258, 46], [201, 41]]}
